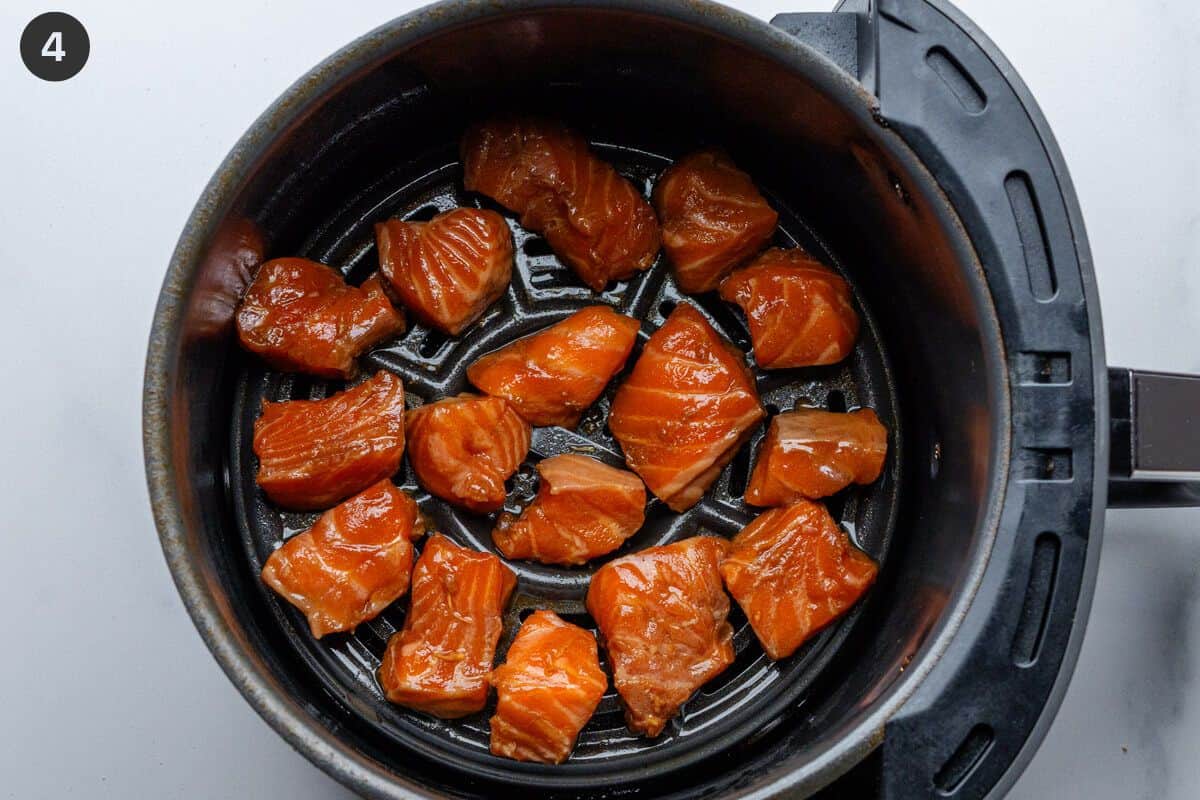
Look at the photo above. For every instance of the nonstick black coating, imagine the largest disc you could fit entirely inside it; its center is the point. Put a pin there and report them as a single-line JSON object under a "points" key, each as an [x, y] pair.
{"points": [[754, 691]]}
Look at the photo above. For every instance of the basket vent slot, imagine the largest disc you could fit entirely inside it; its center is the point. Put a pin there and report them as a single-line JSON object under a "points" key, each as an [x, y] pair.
{"points": [[1031, 626], [1032, 230], [536, 247], [957, 80], [739, 474], [553, 275], [432, 343], [965, 759]]}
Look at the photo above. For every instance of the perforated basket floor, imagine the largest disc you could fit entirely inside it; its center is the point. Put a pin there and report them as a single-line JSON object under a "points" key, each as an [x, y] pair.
{"points": [[754, 691]]}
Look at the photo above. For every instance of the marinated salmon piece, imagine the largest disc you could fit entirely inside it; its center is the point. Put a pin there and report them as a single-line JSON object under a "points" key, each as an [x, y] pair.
{"points": [[313, 453], [464, 448], [688, 405], [596, 221], [713, 218], [546, 690], [233, 258], [552, 376], [300, 316], [583, 509], [811, 453], [449, 270], [800, 312], [440, 662], [793, 571], [662, 617], [352, 563]]}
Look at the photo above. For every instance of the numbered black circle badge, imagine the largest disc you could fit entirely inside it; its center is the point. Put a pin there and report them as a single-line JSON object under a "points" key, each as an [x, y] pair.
{"points": [[55, 46]]}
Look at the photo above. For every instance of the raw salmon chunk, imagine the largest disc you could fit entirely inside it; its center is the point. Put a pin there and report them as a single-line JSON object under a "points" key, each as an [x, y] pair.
{"points": [[662, 615], [547, 689], [685, 409], [552, 376], [713, 218], [813, 453], [793, 571], [464, 448], [300, 316], [583, 509], [313, 453], [800, 312], [449, 270], [352, 563], [440, 662], [596, 221]]}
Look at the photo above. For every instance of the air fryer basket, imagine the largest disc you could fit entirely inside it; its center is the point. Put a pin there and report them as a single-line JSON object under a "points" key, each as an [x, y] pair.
{"points": [[433, 366], [980, 352]]}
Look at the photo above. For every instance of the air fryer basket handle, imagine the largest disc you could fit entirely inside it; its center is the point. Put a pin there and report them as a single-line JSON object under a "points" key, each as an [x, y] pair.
{"points": [[1155, 446]]}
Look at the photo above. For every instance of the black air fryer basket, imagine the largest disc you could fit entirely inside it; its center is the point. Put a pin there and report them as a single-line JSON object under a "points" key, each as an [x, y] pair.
{"points": [[899, 145]]}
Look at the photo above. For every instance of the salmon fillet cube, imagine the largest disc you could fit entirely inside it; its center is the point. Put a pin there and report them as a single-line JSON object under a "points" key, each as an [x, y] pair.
{"points": [[713, 218], [662, 615], [594, 220], [793, 571], [301, 316], [547, 689], [314, 453], [584, 509], [812, 453], [440, 662], [552, 376], [686, 408], [800, 312], [447, 271], [464, 448], [352, 563]]}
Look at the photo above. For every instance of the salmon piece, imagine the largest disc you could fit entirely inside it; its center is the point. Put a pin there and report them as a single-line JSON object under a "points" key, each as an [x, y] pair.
{"points": [[464, 448], [713, 218], [547, 689], [440, 662], [449, 270], [793, 571], [313, 453], [662, 616], [688, 405], [801, 313], [234, 257], [300, 316], [596, 221], [552, 376], [583, 509], [352, 563], [810, 453]]}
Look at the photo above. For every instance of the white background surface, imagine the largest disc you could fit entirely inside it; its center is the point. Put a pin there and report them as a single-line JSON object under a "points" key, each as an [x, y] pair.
{"points": [[106, 689]]}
